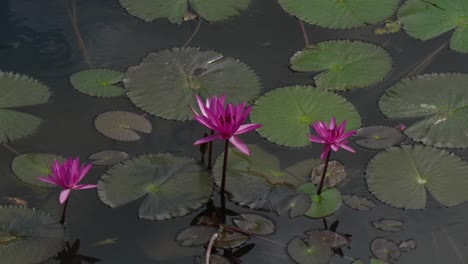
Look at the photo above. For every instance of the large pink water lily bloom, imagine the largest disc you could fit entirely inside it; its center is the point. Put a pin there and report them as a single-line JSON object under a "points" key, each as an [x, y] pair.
{"points": [[226, 121], [67, 176], [334, 137]]}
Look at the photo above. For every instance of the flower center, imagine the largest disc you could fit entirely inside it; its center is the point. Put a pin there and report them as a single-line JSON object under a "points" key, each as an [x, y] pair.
{"points": [[462, 21], [305, 120], [153, 188]]}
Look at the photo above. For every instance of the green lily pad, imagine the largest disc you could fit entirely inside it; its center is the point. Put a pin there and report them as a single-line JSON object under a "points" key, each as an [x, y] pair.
{"points": [[315, 251], [196, 235], [108, 157], [255, 224], [28, 235], [166, 82], [172, 186], [440, 100], [379, 137], [344, 64], [120, 125], [175, 10], [340, 14], [98, 82], [251, 180], [287, 113], [323, 205], [428, 19], [400, 176], [28, 167], [18, 91]]}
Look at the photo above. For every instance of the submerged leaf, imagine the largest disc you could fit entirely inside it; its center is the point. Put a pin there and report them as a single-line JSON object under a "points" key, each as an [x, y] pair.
{"points": [[255, 224], [214, 259], [120, 125], [28, 167], [230, 239], [332, 239], [408, 245], [385, 249], [335, 174], [388, 225], [379, 137], [358, 203], [315, 251], [98, 82], [196, 235], [108, 157]]}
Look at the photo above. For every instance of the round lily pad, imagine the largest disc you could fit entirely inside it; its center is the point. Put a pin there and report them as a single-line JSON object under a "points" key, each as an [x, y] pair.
{"points": [[255, 224], [120, 125], [16, 91], [196, 235], [98, 82], [332, 239], [335, 173], [388, 225], [172, 186], [439, 101], [175, 11], [385, 249], [229, 239], [400, 176], [108, 157], [341, 14], [428, 19], [323, 205], [28, 167], [287, 113], [24, 230], [315, 251], [166, 82], [379, 137], [343, 64]]}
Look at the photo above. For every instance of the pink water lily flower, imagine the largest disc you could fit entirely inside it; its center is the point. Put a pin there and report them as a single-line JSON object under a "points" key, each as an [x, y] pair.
{"points": [[226, 121], [334, 137], [67, 176]]}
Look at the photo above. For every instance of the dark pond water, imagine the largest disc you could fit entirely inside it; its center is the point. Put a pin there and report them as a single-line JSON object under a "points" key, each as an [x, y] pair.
{"points": [[37, 39]]}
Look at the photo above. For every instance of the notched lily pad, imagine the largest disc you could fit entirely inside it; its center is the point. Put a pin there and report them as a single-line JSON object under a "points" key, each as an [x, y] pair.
{"points": [[172, 186], [379, 137], [255, 224], [358, 203], [323, 205], [408, 245], [120, 125], [28, 167], [388, 225], [332, 239], [385, 249], [314, 251], [335, 173], [108, 157], [196, 235], [98, 82]]}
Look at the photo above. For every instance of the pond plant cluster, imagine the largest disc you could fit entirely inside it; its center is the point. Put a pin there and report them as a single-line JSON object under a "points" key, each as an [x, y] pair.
{"points": [[221, 94]]}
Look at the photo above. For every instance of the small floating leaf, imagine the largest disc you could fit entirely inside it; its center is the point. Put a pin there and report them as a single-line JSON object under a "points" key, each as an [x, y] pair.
{"points": [[358, 203], [196, 235], [287, 113], [388, 225], [105, 242], [340, 14], [325, 204], [165, 82], [335, 173], [255, 224], [399, 177], [172, 186], [315, 251], [440, 100], [108, 157], [230, 239], [24, 230], [378, 137], [120, 125], [332, 239], [28, 167], [408, 245], [385, 249], [344, 64], [98, 82]]}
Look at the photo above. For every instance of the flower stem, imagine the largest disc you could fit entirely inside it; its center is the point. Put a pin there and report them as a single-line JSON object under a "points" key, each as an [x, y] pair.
{"points": [[223, 180], [210, 152], [65, 206], [304, 32], [325, 224], [319, 191], [210, 247], [74, 21], [245, 232], [194, 33], [11, 149]]}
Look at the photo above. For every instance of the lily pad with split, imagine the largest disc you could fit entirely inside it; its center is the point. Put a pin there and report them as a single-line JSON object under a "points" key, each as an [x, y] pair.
{"points": [[28, 230], [385, 249], [28, 167], [120, 125], [165, 82], [324, 204], [108, 157], [388, 225], [343, 64], [335, 174], [379, 137], [287, 113], [358, 203], [408, 245], [175, 11], [255, 224], [172, 186], [332, 239], [440, 104], [18, 91], [196, 235], [340, 14], [98, 82], [400, 176], [314, 251], [230, 239]]}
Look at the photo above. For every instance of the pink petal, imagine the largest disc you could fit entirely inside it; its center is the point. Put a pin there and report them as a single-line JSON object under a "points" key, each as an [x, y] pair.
{"points": [[332, 123], [239, 145], [348, 148], [207, 139], [247, 128], [347, 135], [313, 138], [334, 147], [83, 172], [201, 105], [48, 180], [84, 186], [64, 195], [204, 121], [326, 150], [342, 127]]}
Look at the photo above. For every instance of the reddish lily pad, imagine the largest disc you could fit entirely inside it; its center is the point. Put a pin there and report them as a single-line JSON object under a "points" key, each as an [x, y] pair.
{"points": [[196, 235], [255, 224], [335, 173], [332, 239], [385, 249]]}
